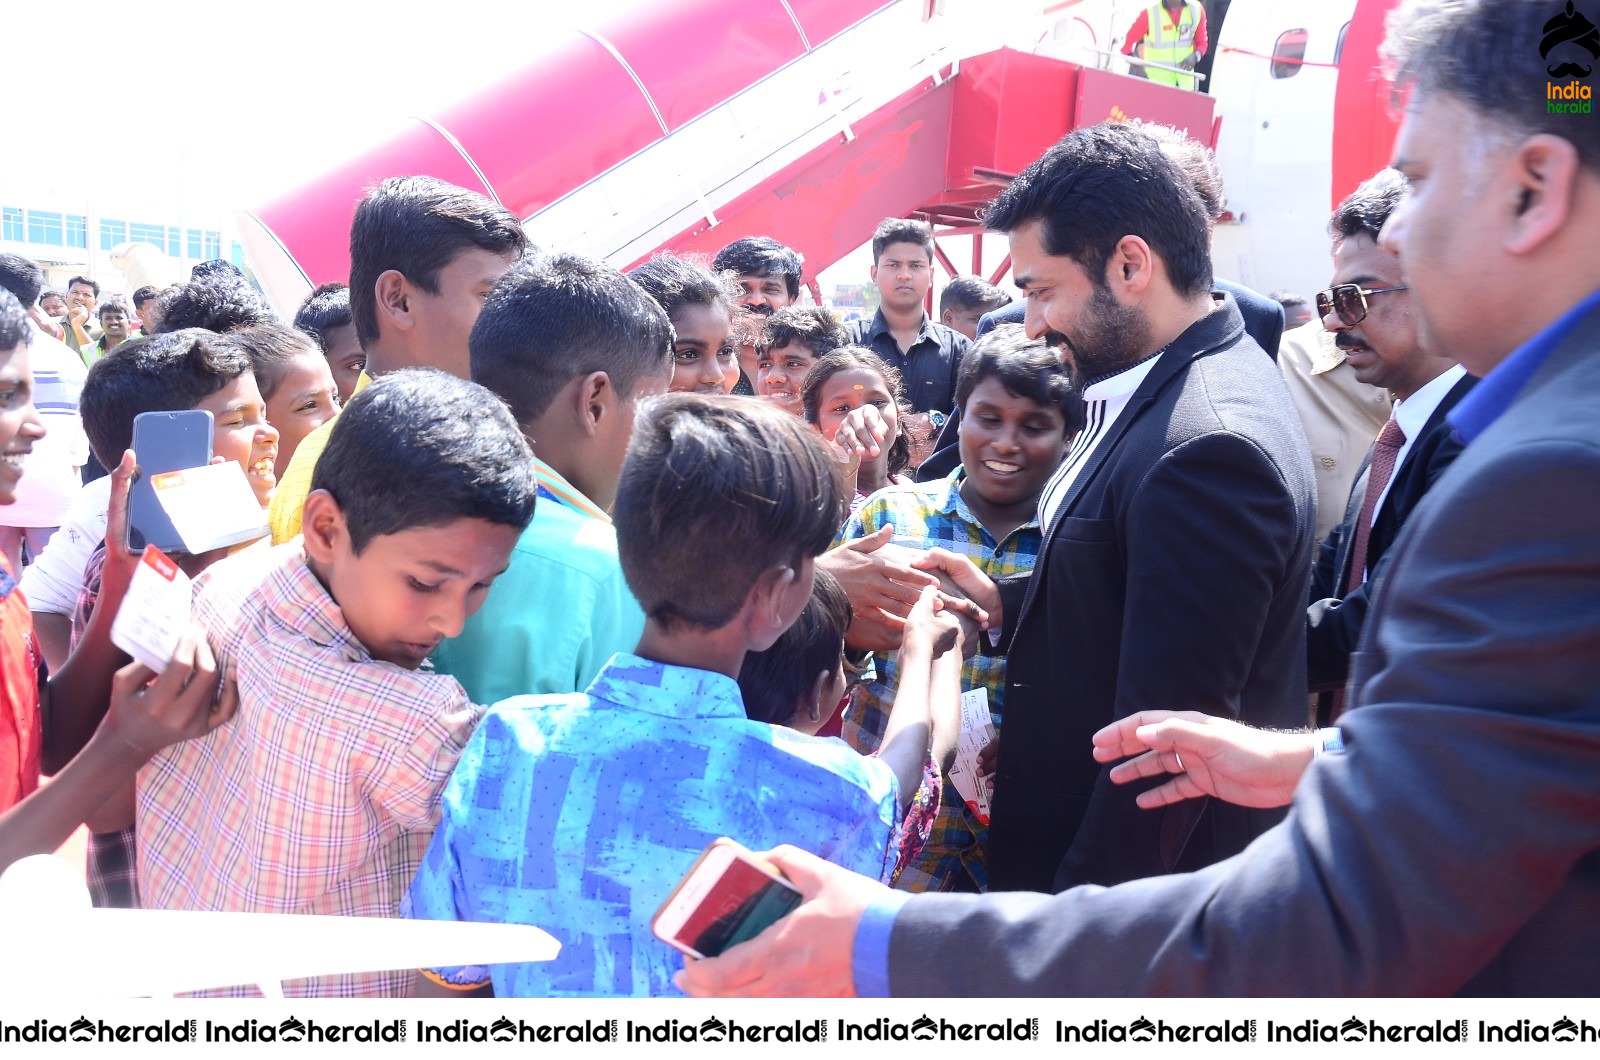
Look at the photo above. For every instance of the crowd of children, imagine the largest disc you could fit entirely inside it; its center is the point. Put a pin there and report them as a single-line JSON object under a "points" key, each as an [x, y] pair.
{"points": [[547, 604]]}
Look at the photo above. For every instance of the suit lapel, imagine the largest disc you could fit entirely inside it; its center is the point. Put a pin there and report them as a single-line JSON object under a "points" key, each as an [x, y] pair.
{"points": [[1167, 368], [1218, 328]]}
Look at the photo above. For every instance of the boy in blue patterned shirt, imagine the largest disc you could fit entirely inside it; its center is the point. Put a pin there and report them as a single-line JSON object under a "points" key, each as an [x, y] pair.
{"points": [[578, 813], [1019, 413]]}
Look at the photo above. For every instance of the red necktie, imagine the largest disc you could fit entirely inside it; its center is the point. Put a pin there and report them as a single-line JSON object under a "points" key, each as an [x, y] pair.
{"points": [[1379, 472]]}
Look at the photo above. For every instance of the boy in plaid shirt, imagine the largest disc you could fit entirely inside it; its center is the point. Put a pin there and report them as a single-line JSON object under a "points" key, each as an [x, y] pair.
{"points": [[321, 796], [1018, 415]]}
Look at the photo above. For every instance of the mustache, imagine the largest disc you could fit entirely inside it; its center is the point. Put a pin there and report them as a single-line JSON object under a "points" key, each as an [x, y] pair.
{"points": [[1346, 340], [1569, 70], [763, 309], [1057, 340]]}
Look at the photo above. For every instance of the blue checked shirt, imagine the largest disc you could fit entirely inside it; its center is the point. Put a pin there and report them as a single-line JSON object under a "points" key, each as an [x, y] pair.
{"points": [[579, 813], [927, 515]]}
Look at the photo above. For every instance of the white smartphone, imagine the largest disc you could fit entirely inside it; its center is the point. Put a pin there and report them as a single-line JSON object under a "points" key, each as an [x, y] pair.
{"points": [[727, 896]]}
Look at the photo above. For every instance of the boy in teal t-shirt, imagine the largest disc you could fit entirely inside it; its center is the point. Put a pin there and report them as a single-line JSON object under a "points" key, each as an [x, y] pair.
{"points": [[571, 345]]}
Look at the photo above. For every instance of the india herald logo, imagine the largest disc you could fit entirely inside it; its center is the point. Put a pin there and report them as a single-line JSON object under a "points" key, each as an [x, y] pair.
{"points": [[1565, 36]]}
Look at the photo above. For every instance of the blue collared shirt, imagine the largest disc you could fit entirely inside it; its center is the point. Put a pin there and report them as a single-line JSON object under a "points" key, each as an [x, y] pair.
{"points": [[579, 813], [1490, 398]]}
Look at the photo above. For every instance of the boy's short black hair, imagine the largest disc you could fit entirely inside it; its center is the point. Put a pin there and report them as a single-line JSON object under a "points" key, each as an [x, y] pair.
{"points": [[14, 329], [971, 292], [93, 285], [270, 348], [420, 447], [761, 256], [418, 226], [218, 304], [772, 682], [901, 230], [22, 277], [845, 359], [715, 491], [52, 292], [217, 269], [676, 282], [325, 308], [168, 372], [147, 293], [1027, 368], [553, 317], [112, 305], [813, 327]]}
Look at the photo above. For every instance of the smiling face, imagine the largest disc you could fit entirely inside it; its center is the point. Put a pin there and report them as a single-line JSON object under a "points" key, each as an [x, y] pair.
{"points": [[305, 400], [780, 373], [845, 391], [1091, 331], [240, 432], [703, 356], [114, 322], [903, 275], [406, 592], [20, 425], [1010, 445]]}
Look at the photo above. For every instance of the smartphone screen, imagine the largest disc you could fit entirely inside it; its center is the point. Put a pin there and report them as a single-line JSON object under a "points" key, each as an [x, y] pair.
{"points": [[742, 904], [725, 899], [163, 441]]}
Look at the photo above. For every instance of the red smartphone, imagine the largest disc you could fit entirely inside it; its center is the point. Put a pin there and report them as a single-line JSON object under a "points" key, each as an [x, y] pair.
{"points": [[727, 896]]}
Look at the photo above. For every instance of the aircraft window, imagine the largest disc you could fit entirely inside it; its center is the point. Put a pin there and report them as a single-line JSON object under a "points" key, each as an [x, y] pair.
{"points": [[1338, 48], [1288, 53]]}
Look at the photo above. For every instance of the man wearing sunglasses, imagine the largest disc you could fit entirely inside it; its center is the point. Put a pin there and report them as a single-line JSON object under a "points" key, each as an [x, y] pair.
{"points": [[1368, 309]]}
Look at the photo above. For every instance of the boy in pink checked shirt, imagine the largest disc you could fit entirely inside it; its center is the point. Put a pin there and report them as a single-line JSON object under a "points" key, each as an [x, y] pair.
{"points": [[322, 794]]}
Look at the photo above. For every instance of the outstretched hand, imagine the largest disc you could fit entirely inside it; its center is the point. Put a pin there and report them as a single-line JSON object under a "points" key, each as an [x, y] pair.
{"points": [[961, 580], [882, 585], [939, 625], [1206, 755]]}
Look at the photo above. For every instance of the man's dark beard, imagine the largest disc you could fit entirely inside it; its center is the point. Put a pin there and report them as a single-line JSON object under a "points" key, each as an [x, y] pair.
{"points": [[1109, 337]]}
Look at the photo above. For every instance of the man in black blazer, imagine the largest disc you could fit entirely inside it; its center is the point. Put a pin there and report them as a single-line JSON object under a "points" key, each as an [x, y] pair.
{"points": [[1374, 325], [1263, 317], [1454, 846], [1178, 532]]}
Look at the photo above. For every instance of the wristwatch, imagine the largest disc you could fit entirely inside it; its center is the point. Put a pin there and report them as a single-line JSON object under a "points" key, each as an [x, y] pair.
{"points": [[938, 419]]}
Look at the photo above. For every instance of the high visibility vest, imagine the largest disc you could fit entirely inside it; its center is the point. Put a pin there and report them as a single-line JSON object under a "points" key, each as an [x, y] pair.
{"points": [[1171, 45]]}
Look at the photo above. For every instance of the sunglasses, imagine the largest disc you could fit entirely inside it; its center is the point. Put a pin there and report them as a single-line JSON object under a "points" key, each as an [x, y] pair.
{"points": [[1349, 300]]}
